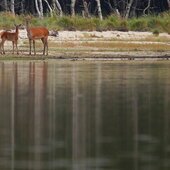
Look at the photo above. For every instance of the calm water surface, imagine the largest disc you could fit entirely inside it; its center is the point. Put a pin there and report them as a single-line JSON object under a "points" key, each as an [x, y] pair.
{"points": [[69, 115]]}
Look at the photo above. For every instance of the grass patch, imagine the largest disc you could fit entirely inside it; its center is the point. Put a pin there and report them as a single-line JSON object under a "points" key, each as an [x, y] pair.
{"points": [[160, 22], [7, 20], [138, 24], [109, 46], [127, 46], [156, 39], [156, 33]]}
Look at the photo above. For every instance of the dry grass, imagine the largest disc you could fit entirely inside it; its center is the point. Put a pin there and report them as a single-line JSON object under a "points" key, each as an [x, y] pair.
{"points": [[110, 46], [157, 39]]}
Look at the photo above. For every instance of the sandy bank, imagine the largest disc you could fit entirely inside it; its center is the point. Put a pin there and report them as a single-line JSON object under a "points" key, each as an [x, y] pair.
{"points": [[106, 44]]}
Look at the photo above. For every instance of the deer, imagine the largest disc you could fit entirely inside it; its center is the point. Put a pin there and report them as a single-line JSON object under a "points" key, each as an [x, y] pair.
{"points": [[34, 33], [1, 42], [10, 36]]}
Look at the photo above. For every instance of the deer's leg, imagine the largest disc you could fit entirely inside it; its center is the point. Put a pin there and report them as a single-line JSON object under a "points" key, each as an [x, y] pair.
{"points": [[34, 46], [30, 46], [1, 47], [46, 47], [16, 44], [43, 41], [13, 47], [2, 44]]}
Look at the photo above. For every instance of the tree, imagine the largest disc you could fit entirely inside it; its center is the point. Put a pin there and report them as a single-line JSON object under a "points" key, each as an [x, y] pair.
{"points": [[73, 2], [123, 8], [113, 8], [59, 8], [12, 7], [128, 7], [99, 9], [86, 11], [39, 8], [133, 12], [168, 1], [5, 5], [51, 11], [147, 8]]}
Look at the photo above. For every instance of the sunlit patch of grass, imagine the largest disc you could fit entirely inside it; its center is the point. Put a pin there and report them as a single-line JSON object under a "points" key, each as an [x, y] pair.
{"points": [[138, 24], [110, 46], [128, 46], [7, 20], [148, 23], [157, 39], [67, 44]]}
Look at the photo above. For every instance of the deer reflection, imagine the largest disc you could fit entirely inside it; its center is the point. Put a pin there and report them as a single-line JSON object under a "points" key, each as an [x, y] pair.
{"points": [[69, 115]]}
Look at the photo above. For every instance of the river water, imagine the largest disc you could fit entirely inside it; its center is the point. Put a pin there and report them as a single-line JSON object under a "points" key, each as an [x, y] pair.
{"points": [[94, 115]]}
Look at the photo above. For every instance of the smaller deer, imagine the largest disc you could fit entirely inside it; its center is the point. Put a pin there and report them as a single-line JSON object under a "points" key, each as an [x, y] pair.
{"points": [[37, 33], [10, 36], [1, 42]]}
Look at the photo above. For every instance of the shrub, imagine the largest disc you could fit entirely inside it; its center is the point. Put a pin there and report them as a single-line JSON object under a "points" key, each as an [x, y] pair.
{"points": [[138, 25], [154, 22], [66, 23], [111, 23], [165, 25], [123, 26], [161, 23], [156, 32], [88, 24], [7, 20]]}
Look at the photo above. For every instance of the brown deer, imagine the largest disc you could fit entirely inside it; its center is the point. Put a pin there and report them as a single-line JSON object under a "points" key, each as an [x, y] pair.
{"points": [[1, 42], [37, 33], [10, 36]]}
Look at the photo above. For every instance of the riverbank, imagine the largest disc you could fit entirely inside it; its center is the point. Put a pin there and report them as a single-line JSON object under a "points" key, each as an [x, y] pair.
{"points": [[95, 45]]}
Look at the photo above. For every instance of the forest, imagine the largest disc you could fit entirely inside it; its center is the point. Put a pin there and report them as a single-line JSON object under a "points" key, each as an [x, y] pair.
{"points": [[86, 8]]}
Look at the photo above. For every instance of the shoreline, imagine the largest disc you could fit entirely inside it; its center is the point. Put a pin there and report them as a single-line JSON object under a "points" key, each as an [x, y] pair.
{"points": [[106, 45], [121, 56]]}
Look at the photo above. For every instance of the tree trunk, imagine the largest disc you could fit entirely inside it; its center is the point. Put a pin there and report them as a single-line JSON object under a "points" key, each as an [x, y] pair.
{"points": [[148, 6], [73, 2], [53, 4], [22, 7], [128, 7], [168, 1], [86, 11], [12, 7], [99, 9], [59, 8], [5, 5], [37, 8], [134, 7], [51, 11], [115, 8], [41, 8]]}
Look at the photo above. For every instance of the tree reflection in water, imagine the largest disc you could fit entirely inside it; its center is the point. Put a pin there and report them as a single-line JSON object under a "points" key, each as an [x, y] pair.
{"points": [[84, 115]]}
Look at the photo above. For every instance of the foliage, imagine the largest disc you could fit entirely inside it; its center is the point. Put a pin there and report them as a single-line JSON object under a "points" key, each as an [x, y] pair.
{"points": [[7, 20], [123, 25], [161, 23], [112, 22], [138, 24], [156, 32]]}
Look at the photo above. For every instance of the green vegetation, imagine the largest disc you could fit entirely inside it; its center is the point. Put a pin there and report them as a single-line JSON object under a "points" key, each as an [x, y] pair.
{"points": [[160, 23], [156, 32]]}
